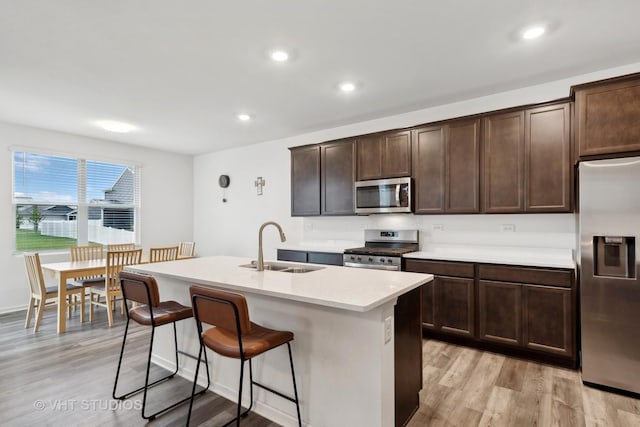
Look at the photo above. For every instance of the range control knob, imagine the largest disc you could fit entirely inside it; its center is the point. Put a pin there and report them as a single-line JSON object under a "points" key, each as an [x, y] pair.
{"points": [[352, 258], [359, 258], [389, 260], [370, 259]]}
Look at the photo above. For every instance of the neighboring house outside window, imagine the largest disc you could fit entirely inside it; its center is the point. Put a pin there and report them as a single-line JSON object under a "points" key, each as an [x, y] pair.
{"points": [[62, 202]]}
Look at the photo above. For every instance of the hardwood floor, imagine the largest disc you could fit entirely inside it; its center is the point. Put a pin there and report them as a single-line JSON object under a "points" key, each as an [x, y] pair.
{"points": [[71, 376], [67, 380], [467, 387]]}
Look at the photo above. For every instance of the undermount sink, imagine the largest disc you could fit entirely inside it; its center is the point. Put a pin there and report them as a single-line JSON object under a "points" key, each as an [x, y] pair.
{"points": [[284, 268]]}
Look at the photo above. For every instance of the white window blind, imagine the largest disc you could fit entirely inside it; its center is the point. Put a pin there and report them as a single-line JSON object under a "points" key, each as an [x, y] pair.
{"points": [[62, 202]]}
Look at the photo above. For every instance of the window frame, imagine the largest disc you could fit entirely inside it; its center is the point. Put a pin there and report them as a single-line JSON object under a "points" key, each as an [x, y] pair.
{"points": [[82, 204]]}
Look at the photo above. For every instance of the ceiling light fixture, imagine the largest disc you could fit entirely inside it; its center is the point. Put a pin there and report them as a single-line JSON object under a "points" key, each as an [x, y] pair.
{"points": [[114, 126], [533, 32], [347, 87], [244, 117], [279, 55]]}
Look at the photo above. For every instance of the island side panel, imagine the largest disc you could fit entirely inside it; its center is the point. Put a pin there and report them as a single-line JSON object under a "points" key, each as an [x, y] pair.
{"points": [[344, 368], [408, 355]]}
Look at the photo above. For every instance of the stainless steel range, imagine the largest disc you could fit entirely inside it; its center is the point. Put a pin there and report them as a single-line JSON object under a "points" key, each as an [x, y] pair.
{"points": [[382, 250]]}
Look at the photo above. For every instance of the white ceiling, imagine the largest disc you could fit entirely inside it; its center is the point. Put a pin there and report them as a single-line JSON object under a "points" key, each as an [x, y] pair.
{"points": [[181, 70]]}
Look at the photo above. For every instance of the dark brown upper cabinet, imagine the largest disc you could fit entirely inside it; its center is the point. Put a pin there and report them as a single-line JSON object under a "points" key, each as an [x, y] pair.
{"points": [[548, 168], [503, 165], [462, 194], [446, 164], [305, 181], [386, 155], [429, 146], [337, 160], [527, 160], [608, 116]]}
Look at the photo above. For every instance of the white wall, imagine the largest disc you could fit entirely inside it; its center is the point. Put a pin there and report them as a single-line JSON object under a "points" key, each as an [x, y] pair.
{"points": [[166, 188], [231, 228]]}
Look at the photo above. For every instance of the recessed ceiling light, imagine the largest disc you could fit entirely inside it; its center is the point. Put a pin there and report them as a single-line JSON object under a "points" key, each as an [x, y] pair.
{"points": [[279, 55], [347, 87], [113, 126], [244, 117], [533, 32]]}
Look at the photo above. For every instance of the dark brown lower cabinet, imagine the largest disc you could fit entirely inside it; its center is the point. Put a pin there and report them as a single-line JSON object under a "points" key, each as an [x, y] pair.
{"points": [[454, 305], [529, 312], [328, 258], [448, 302], [547, 319], [500, 309]]}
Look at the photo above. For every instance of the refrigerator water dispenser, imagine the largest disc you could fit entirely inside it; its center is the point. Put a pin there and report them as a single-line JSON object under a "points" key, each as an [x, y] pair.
{"points": [[614, 256]]}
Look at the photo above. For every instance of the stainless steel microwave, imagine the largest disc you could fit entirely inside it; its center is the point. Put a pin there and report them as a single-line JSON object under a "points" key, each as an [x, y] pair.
{"points": [[383, 196]]}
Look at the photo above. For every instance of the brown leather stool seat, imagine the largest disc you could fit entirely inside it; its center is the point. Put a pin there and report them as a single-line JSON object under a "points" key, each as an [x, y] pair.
{"points": [[260, 339], [143, 289], [234, 335], [165, 312]]}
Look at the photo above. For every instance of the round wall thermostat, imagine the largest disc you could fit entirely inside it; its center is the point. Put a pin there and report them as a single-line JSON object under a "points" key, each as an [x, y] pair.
{"points": [[223, 181]]}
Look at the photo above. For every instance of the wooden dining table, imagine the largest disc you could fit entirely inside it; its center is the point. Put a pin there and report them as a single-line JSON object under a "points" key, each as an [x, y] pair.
{"points": [[64, 271]]}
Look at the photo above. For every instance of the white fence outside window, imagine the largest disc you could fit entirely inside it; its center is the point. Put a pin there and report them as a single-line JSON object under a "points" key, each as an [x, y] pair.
{"points": [[97, 233]]}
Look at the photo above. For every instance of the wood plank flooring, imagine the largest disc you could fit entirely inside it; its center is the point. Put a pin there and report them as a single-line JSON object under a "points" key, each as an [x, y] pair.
{"points": [[467, 387], [72, 374], [48, 379]]}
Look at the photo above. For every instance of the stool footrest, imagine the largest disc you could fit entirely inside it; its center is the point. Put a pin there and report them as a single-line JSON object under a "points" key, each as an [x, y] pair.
{"points": [[284, 396]]}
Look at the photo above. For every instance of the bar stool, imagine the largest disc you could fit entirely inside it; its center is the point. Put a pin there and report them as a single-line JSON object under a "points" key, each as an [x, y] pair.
{"points": [[143, 289], [235, 336]]}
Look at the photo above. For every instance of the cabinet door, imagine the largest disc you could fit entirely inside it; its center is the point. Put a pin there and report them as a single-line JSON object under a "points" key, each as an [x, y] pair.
{"points": [[548, 159], [338, 177], [547, 320], [327, 258], [396, 154], [503, 164], [305, 181], [608, 117], [428, 305], [429, 169], [292, 255], [454, 305], [500, 312], [463, 167], [369, 155]]}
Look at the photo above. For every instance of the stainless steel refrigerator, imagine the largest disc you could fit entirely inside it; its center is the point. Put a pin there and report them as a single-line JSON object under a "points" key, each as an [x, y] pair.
{"points": [[609, 223]]}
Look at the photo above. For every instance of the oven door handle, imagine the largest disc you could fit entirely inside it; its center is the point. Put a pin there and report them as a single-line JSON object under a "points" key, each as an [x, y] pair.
{"points": [[373, 267]]}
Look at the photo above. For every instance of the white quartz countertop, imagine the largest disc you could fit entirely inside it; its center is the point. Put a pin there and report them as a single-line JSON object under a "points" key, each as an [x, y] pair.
{"points": [[345, 288], [535, 257]]}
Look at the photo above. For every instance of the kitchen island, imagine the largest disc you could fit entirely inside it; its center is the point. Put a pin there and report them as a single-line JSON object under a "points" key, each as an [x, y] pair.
{"points": [[347, 329]]}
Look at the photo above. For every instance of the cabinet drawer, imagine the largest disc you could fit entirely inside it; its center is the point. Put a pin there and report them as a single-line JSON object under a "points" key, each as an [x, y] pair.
{"points": [[328, 258], [440, 268], [538, 276], [289, 255]]}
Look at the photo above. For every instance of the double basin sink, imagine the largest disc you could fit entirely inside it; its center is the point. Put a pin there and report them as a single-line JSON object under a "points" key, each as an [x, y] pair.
{"points": [[283, 268]]}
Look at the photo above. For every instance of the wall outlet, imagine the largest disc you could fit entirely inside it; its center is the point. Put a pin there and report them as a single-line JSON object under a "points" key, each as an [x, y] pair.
{"points": [[507, 227], [387, 329], [437, 227]]}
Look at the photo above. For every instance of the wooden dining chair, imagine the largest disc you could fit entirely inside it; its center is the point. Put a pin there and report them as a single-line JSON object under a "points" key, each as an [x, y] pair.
{"points": [[163, 254], [121, 247], [43, 297], [186, 249], [109, 288], [87, 253]]}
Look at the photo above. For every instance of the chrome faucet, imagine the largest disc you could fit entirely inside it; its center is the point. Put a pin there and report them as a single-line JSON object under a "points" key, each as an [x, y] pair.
{"points": [[260, 266]]}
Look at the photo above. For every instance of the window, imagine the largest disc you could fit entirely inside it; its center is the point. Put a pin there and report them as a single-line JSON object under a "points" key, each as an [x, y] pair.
{"points": [[61, 202]]}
